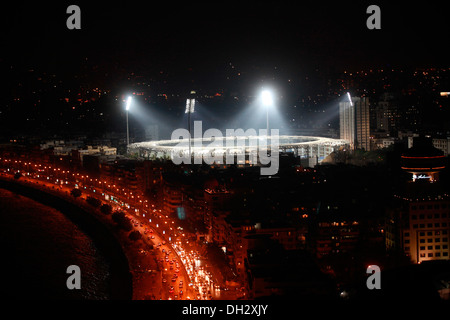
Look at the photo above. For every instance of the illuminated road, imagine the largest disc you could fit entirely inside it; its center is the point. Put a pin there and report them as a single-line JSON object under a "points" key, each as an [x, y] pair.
{"points": [[180, 275]]}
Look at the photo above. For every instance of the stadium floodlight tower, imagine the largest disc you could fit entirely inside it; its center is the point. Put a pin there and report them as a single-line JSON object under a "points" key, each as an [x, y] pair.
{"points": [[190, 108], [267, 101], [127, 108]]}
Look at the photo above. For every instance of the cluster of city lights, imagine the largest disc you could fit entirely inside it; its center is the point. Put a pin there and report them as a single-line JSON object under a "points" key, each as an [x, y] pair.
{"points": [[199, 279]]}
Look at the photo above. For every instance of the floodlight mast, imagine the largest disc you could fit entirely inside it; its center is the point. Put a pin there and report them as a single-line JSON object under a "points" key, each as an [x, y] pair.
{"points": [[267, 100], [127, 108], [129, 102], [190, 108]]}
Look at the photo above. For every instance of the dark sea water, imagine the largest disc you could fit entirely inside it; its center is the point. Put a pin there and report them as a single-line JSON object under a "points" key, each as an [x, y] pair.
{"points": [[37, 244]]}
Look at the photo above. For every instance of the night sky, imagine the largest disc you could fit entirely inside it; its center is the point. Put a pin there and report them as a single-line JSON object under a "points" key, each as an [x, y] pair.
{"points": [[174, 36]]}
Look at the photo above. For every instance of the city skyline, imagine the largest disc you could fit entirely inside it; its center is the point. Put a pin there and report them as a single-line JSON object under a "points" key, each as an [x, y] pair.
{"points": [[311, 55], [303, 103]]}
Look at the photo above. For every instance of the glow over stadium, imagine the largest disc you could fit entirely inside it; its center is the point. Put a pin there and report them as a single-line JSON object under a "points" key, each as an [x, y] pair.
{"points": [[236, 146], [302, 146]]}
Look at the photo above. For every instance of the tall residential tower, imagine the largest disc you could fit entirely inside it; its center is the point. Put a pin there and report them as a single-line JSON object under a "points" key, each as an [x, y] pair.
{"points": [[355, 122]]}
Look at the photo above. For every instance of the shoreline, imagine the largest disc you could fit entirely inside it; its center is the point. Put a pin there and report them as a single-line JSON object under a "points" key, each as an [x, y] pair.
{"points": [[121, 284]]}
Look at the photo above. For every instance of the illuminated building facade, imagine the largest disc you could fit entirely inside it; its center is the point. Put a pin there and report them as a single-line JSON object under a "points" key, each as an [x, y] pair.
{"points": [[420, 229], [423, 161], [354, 122], [331, 237], [419, 225], [347, 122]]}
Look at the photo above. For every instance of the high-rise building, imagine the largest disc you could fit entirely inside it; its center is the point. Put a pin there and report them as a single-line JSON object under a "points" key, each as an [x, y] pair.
{"points": [[362, 124], [420, 228], [387, 115], [355, 122], [419, 223], [347, 122]]}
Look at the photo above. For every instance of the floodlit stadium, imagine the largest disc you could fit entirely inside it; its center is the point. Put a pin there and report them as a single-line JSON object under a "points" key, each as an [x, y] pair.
{"points": [[302, 146]]}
